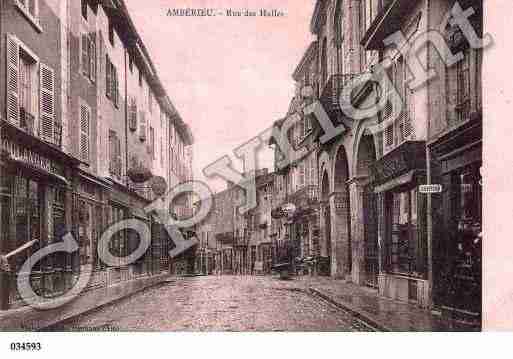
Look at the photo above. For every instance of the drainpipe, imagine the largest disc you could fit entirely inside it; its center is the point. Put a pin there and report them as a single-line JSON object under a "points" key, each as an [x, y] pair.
{"points": [[126, 113], [429, 218], [4, 275]]}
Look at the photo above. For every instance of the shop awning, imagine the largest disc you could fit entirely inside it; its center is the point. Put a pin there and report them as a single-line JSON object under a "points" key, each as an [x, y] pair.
{"points": [[37, 172], [396, 182]]}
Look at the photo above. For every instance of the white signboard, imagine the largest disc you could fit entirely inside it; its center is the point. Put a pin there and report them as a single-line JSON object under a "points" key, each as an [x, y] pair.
{"points": [[430, 188]]}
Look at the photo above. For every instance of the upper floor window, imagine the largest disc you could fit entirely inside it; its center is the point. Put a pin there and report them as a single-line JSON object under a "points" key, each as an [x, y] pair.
{"points": [[151, 145], [30, 93], [132, 114], [114, 154], [111, 83], [85, 128], [142, 126], [88, 59], [338, 23], [150, 100], [324, 62]]}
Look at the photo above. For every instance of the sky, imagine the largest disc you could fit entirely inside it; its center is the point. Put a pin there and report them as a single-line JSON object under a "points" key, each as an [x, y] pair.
{"points": [[229, 77]]}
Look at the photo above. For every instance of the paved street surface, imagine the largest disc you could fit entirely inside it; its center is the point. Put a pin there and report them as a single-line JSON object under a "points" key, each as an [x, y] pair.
{"points": [[227, 303]]}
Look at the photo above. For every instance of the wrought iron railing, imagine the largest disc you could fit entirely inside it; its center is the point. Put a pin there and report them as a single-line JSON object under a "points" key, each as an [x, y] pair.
{"points": [[305, 195], [332, 90]]}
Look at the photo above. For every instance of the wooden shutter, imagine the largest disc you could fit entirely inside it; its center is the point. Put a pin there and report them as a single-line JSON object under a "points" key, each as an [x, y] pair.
{"points": [[142, 130], [118, 156], [152, 142], [85, 54], [115, 89], [85, 124], [13, 59], [132, 116], [92, 57], [112, 152], [46, 102], [108, 76], [452, 92]]}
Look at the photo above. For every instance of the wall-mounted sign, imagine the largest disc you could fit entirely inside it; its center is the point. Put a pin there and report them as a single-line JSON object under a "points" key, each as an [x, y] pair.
{"points": [[430, 188], [22, 154]]}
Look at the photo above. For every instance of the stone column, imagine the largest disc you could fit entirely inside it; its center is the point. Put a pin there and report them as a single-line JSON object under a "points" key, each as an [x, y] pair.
{"points": [[356, 190], [323, 208], [340, 235]]}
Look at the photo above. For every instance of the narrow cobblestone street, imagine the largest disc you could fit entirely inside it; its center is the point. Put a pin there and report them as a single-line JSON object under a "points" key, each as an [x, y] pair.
{"points": [[228, 303]]}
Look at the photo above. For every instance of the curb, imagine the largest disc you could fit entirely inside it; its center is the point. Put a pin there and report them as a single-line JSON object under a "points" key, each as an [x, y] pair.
{"points": [[55, 326], [357, 313], [27, 319]]}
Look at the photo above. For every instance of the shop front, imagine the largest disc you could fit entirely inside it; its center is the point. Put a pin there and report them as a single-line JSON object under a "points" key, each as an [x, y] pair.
{"points": [[35, 205], [402, 225], [457, 244]]}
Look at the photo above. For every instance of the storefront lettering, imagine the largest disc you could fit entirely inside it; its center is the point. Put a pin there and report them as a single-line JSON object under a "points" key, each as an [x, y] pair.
{"points": [[32, 158]]}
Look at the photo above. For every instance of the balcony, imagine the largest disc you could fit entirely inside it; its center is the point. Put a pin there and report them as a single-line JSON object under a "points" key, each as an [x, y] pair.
{"points": [[27, 134], [305, 199], [387, 22], [332, 90], [408, 157]]}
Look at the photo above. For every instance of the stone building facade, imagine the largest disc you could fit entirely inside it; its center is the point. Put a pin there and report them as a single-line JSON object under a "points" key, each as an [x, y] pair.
{"points": [[380, 229], [87, 128]]}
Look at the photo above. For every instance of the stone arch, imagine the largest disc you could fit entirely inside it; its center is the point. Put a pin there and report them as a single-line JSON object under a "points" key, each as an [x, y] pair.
{"points": [[325, 222], [364, 228], [340, 215], [324, 166], [364, 149]]}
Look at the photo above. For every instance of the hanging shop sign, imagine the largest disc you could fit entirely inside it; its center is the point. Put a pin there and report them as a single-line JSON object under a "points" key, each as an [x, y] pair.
{"points": [[14, 151], [430, 188]]}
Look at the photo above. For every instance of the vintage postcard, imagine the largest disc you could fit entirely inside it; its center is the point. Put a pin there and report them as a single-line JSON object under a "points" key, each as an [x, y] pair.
{"points": [[248, 166]]}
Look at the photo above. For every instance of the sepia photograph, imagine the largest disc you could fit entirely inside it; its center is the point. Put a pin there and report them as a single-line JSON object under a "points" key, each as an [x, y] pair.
{"points": [[241, 166]]}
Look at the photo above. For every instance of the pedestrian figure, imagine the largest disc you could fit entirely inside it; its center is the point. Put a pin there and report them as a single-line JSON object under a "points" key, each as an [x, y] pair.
{"points": [[4, 264]]}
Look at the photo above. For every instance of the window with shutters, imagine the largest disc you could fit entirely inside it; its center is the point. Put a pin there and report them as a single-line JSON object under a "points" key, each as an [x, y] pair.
{"points": [[27, 90], [142, 126], [114, 154], [30, 93], [111, 82], [150, 100], [88, 58], [151, 145], [85, 132], [132, 114], [162, 151], [463, 86]]}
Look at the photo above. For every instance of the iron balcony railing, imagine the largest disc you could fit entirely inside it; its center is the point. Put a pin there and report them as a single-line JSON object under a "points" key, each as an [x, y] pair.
{"points": [[27, 124], [332, 90]]}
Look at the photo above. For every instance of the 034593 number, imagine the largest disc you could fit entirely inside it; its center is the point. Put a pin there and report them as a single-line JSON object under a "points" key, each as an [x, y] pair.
{"points": [[28, 346]]}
